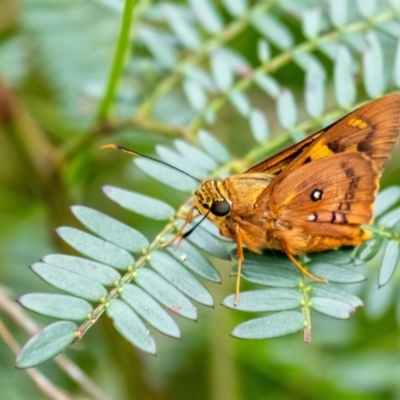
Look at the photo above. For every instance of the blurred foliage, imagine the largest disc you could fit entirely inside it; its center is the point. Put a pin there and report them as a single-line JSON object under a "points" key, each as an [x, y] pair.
{"points": [[75, 75]]}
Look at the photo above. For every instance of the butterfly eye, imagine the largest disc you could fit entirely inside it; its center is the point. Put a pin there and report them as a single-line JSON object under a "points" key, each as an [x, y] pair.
{"points": [[221, 208]]}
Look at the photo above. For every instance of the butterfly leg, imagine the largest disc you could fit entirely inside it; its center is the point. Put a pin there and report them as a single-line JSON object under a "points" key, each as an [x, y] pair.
{"points": [[239, 245], [178, 235], [299, 266]]}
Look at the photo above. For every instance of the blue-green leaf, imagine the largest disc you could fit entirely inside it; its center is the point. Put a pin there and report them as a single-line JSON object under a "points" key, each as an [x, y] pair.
{"points": [[130, 326], [338, 256], [275, 325], [221, 71], [235, 8], [240, 101], [46, 344], [345, 89], [91, 269], [166, 175], [391, 259], [58, 306], [263, 50], [396, 65], [213, 147], [174, 272], [273, 30], [192, 259], [195, 155], [338, 12], [265, 300], [150, 310], [207, 15], [183, 28], [386, 198], [258, 125], [286, 109], [368, 249], [264, 274], [390, 219], [332, 292], [268, 84], [379, 299], [311, 22], [195, 94], [69, 281], [332, 307], [139, 203], [110, 229], [367, 8], [96, 248], [374, 80], [165, 293], [333, 273], [314, 92]]}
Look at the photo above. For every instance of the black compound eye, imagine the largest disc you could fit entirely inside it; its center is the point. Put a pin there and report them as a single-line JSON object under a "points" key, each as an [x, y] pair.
{"points": [[221, 208]]}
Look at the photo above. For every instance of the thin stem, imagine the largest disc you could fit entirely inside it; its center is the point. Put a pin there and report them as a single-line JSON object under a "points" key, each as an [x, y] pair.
{"points": [[118, 61]]}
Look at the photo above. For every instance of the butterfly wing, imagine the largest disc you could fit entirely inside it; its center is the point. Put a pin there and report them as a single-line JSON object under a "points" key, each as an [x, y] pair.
{"points": [[320, 205], [371, 130]]}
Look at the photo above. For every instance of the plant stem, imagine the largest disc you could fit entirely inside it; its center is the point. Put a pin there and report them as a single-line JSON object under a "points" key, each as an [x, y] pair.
{"points": [[118, 61]]}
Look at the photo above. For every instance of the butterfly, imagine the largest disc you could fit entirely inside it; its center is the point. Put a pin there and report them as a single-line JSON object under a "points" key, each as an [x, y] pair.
{"points": [[312, 196]]}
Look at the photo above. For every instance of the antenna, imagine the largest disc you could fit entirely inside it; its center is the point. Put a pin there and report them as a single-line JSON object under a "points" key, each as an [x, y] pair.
{"points": [[190, 231], [135, 153]]}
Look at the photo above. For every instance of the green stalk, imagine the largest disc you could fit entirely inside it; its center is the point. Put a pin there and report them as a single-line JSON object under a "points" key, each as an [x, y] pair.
{"points": [[118, 61]]}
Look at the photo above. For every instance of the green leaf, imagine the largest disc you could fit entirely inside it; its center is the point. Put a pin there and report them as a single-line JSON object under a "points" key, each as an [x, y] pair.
{"points": [[69, 281], [194, 260], [96, 248], [333, 273], [338, 12], [195, 155], [275, 325], [195, 94], [150, 310], [386, 198], [91, 269], [240, 101], [373, 74], [332, 307], [110, 229], [46, 344], [139, 203], [314, 92], [390, 260], [264, 274], [273, 30], [165, 293], [368, 249], [258, 125], [268, 84], [130, 326], [202, 239], [199, 76], [265, 300], [58, 306], [207, 15], [345, 89], [182, 27], [174, 272], [213, 147], [311, 22], [166, 175], [286, 109], [331, 292]]}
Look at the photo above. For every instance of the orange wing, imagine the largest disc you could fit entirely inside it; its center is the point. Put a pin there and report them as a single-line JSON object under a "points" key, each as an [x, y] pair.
{"points": [[371, 130]]}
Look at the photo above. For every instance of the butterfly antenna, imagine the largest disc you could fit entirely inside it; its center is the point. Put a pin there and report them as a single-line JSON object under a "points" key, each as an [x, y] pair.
{"points": [[135, 153], [190, 231]]}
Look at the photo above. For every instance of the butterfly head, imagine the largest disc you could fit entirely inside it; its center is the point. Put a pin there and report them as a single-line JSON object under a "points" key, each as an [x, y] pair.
{"points": [[212, 199]]}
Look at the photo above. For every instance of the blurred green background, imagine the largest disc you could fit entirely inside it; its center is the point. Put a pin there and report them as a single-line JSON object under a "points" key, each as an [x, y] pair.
{"points": [[55, 62]]}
